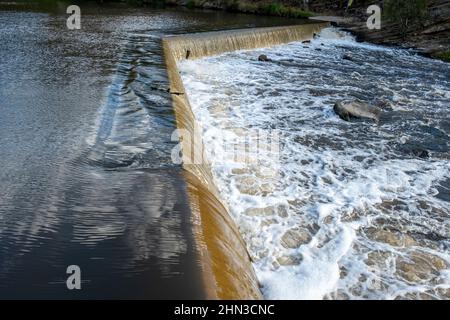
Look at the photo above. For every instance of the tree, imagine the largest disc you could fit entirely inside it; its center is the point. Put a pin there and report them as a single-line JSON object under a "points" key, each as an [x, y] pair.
{"points": [[406, 13]]}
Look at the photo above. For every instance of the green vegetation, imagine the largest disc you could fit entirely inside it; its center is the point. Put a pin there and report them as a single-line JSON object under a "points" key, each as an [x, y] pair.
{"points": [[134, 2], [275, 8], [299, 13], [442, 55], [191, 4], [272, 9], [406, 13], [151, 3], [248, 7], [37, 5], [278, 9], [60, 5], [232, 5]]}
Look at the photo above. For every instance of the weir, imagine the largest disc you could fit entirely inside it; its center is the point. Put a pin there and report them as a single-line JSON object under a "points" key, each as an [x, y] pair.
{"points": [[227, 269]]}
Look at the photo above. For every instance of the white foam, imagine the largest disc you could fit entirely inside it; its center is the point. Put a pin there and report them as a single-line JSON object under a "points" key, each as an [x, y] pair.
{"points": [[335, 181], [317, 275]]}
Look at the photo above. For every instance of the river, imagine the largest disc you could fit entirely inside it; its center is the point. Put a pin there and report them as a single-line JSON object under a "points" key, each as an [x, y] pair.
{"points": [[85, 141], [338, 210], [331, 209]]}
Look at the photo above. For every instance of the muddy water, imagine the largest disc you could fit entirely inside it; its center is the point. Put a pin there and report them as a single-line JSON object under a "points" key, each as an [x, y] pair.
{"points": [[85, 169]]}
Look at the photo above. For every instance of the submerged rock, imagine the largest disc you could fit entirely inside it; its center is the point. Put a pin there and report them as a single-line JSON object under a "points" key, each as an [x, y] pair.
{"points": [[421, 153], [378, 258], [414, 149], [264, 58], [347, 56], [254, 186], [289, 260], [357, 109], [392, 237], [294, 238], [266, 211], [420, 266]]}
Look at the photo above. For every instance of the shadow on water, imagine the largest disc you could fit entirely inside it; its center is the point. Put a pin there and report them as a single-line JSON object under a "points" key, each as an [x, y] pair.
{"points": [[86, 176]]}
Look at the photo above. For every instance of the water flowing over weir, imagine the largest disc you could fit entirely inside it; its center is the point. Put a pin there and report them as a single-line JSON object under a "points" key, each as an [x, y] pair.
{"points": [[219, 236], [212, 43], [86, 171], [346, 210], [87, 175]]}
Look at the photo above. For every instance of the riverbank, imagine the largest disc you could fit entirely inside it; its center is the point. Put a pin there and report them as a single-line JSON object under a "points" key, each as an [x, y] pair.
{"points": [[426, 30], [429, 35]]}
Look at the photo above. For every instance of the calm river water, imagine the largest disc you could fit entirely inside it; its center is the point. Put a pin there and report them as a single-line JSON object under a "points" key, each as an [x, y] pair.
{"points": [[85, 171]]}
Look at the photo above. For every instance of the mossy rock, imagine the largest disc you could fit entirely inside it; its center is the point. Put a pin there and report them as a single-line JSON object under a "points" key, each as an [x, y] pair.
{"points": [[445, 55]]}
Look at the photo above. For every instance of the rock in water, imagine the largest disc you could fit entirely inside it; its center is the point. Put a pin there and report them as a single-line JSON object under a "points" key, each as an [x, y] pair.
{"points": [[295, 237], [421, 153], [357, 109], [264, 58], [416, 151], [348, 57]]}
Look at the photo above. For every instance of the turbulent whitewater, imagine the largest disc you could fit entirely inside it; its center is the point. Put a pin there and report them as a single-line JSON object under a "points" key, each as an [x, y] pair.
{"points": [[341, 210]]}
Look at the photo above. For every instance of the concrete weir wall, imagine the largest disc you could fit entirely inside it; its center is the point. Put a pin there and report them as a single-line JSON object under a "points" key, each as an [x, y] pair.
{"points": [[226, 265]]}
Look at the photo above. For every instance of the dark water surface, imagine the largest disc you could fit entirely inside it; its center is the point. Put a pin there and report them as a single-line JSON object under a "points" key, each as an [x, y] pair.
{"points": [[85, 172]]}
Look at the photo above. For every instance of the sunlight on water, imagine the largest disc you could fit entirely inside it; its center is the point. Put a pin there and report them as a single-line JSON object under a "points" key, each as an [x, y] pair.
{"points": [[86, 176]]}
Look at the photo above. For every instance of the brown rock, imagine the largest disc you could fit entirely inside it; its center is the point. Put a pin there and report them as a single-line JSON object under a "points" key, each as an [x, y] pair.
{"points": [[420, 266], [289, 260], [394, 238], [266, 211], [251, 185], [294, 238], [377, 258], [268, 222]]}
